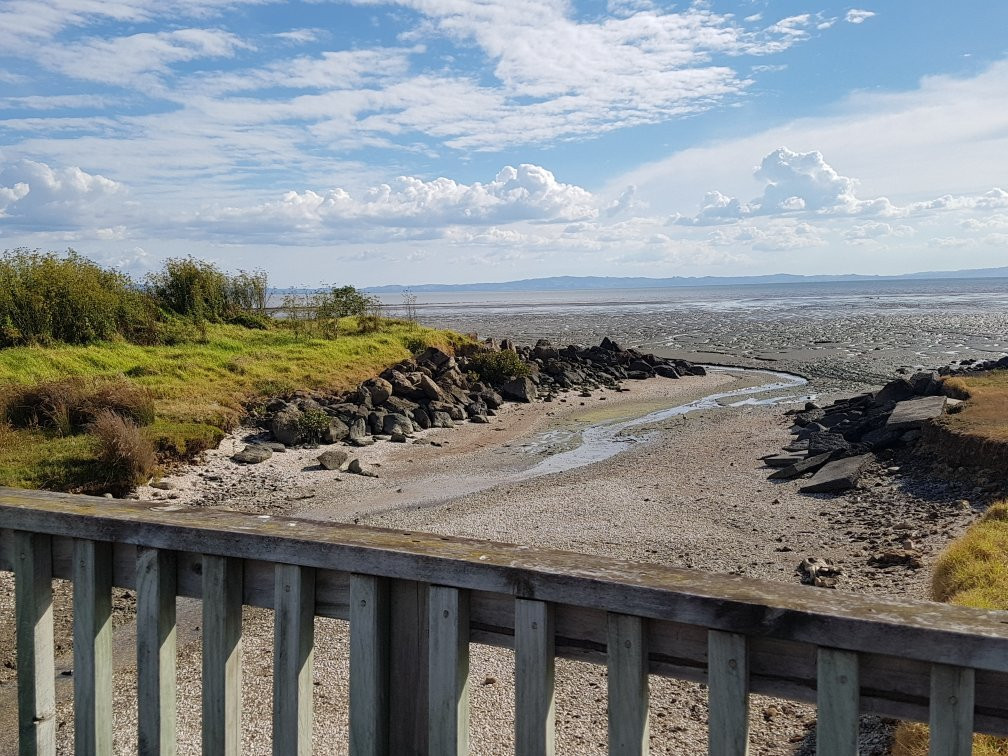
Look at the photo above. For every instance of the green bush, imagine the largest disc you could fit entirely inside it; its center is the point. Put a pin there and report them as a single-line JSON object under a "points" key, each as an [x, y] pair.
{"points": [[496, 368], [312, 423], [46, 298], [191, 288]]}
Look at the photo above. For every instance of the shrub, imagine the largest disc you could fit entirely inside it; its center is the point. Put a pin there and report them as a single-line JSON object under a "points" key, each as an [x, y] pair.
{"points": [[312, 423], [125, 456], [46, 298], [66, 406], [250, 320], [192, 288], [496, 368]]}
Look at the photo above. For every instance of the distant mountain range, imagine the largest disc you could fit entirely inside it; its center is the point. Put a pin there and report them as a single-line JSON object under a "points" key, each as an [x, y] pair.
{"points": [[581, 283]]}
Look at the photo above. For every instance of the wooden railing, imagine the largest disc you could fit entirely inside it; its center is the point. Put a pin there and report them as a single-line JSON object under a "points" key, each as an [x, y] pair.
{"points": [[415, 602]]}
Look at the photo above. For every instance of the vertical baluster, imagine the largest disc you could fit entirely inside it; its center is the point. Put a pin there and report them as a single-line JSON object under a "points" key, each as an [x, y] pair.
{"points": [[222, 627], [293, 653], [92, 640], [627, 658], [448, 702], [35, 655], [156, 680], [951, 720], [728, 684], [409, 666], [838, 694], [369, 666], [535, 708]]}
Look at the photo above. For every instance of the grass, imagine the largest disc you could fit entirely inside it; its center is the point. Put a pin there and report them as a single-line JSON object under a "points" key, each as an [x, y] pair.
{"points": [[972, 571], [200, 389], [986, 411]]}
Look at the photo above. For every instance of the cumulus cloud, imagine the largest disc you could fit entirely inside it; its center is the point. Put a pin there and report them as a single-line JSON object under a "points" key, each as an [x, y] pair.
{"points": [[795, 182], [526, 193], [857, 16], [35, 195], [995, 199]]}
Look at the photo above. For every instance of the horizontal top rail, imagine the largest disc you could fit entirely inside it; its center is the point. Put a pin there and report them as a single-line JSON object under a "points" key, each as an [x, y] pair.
{"points": [[919, 630]]}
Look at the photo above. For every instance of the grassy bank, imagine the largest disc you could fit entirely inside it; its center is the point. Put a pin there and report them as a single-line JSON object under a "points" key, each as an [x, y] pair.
{"points": [[977, 435], [199, 388], [972, 571]]}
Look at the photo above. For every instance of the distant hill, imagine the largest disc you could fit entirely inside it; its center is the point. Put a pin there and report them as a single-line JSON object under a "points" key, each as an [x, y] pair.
{"points": [[581, 283]]}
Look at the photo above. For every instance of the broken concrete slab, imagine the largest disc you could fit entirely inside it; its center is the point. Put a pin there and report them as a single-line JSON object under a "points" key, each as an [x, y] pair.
{"points": [[810, 464], [915, 412], [782, 460], [838, 475]]}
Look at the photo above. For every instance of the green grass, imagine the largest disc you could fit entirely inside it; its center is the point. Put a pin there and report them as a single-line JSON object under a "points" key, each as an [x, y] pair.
{"points": [[972, 571], [199, 389]]}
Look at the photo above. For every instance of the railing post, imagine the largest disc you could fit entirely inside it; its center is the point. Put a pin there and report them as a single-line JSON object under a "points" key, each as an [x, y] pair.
{"points": [[369, 666], [409, 667], [838, 695], [222, 630], [951, 710], [627, 659], [35, 654], [156, 679], [535, 708], [92, 647], [448, 700], [293, 652], [728, 690]]}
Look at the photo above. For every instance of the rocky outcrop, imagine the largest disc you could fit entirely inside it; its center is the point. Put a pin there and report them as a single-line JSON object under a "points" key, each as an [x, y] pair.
{"points": [[439, 390]]}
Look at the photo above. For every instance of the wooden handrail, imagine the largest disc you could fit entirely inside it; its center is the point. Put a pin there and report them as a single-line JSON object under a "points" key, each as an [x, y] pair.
{"points": [[786, 640]]}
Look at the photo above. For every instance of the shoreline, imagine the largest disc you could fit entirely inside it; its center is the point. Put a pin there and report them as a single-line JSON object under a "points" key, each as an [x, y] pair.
{"points": [[693, 494]]}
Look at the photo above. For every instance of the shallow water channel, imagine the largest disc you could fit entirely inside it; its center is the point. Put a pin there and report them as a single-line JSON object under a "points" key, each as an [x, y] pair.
{"points": [[603, 440]]}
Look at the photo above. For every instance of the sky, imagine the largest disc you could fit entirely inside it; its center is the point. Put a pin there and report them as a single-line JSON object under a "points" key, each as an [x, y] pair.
{"points": [[453, 141]]}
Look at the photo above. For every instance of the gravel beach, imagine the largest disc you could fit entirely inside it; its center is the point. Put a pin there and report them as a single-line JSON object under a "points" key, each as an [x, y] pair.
{"points": [[693, 494]]}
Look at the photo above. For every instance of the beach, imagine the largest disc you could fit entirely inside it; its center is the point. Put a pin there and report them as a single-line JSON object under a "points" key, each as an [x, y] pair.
{"points": [[686, 491]]}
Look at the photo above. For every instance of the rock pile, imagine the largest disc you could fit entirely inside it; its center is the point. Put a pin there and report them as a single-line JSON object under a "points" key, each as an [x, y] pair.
{"points": [[835, 443], [439, 390], [971, 365]]}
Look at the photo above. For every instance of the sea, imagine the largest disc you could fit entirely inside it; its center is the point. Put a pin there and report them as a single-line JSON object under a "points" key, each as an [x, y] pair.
{"points": [[852, 332]]}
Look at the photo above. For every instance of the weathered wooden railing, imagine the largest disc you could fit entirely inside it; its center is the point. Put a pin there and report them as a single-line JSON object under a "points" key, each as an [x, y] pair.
{"points": [[415, 602]]}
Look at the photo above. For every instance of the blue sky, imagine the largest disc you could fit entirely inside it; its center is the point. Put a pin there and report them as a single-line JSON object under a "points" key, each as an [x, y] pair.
{"points": [[444, 140]]}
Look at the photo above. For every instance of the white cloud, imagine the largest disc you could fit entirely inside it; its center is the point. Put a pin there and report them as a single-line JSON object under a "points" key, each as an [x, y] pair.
{"points": [[857, 16], [34, 195], [301, 36], [418, 207], [794, 182]]}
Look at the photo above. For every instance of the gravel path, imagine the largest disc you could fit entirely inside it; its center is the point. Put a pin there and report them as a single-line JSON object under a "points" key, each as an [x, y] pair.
{"points": [[694, 496]]}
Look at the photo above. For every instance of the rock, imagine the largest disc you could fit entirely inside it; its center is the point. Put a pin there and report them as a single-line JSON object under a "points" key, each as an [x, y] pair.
{"points": [[519, 390], [436, 359], [782, 460], [452, 410], [395, 423], [666, 371], [610, 346], [400, 405], [398, 438], [479, 419], [166, 485], [337, 431], [421, 418], [274, 446], [890, 557], [822, 442], [430, 389], [252, 455], [912, 414], [838, 475], [332, 459], [802, 466], [379, 389], [286, 426], [441, 420], [355, 467], [358, 429], [821, 573], [895, 391]]}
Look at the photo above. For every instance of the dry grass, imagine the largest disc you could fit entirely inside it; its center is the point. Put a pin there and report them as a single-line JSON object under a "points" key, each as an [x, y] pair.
{"points": [[972, 571], [66, 406], [125, 455], [986, 411]]}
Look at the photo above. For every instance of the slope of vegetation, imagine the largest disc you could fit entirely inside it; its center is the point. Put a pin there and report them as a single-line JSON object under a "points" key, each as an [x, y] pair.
{"points": [[972, 571], [207, 349]]}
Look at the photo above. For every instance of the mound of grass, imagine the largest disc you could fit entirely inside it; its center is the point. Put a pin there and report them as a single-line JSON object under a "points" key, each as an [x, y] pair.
{"points": [[66, 406], [125, 456], [985, 413], [972, 571], [199, 389], [496, 368]]}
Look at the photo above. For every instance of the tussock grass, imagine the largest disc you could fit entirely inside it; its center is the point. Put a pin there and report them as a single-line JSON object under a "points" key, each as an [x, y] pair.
{"points": [[125, 456], [199, 389], [972, 571]]}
